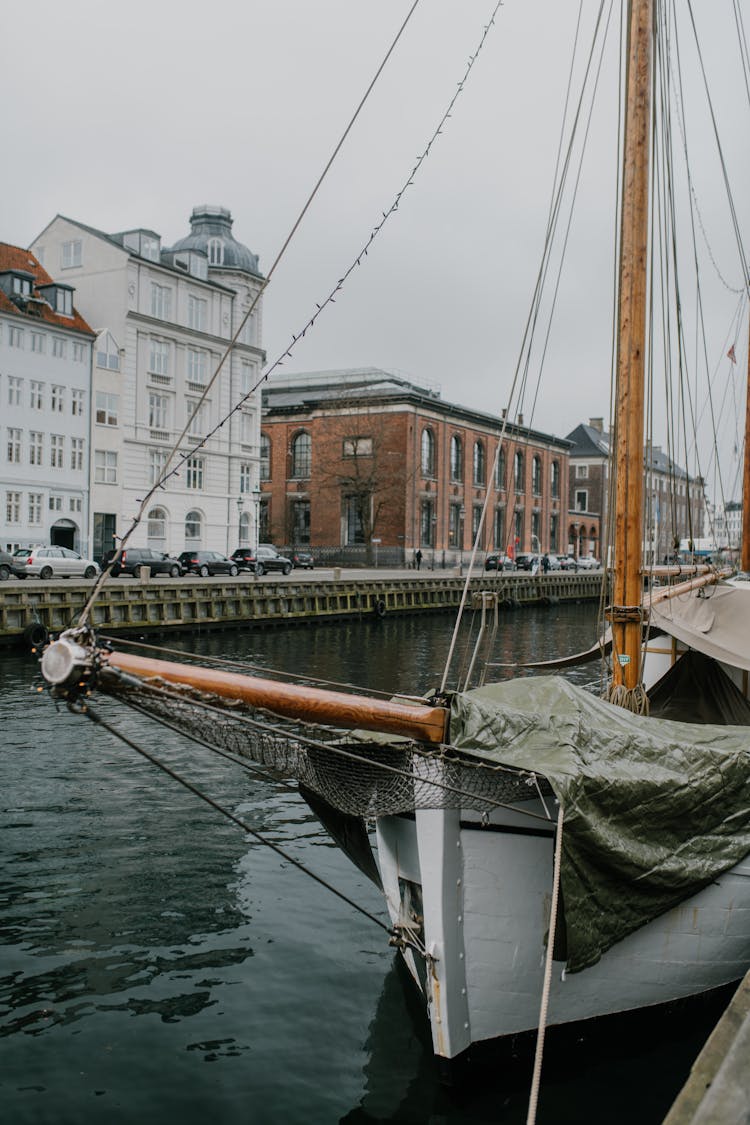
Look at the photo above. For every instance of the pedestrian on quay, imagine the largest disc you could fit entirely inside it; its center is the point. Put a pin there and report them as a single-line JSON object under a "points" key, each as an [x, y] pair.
{"points": [[418, 558], [545, 563]]}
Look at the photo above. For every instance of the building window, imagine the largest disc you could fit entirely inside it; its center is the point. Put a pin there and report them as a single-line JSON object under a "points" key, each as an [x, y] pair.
{"points": [[195, 413], [38, 343], [107, 352], [519, 473], [353, 532], [76, 453], [161, 301], [582, 472], [57, 399], [22, 286], [57, 451], [427, 524], [301, 455], [456, 525], [105, 466], [36, 447], [518, 528], [428, 453], [157, 463], [457, 458], [499, 529], [197, 313], [246, 428], [14, 445], [64, 301], [582, 500], [500, 471], [536, 476], [75, 504], [479, 463], [79, 352], [72, 253], [197, 365], [14, 390], [55, 503], [357, 447], [36, 395], [215, 249], [301, 523], [554, 532], [265, 457], [77, 402], [157, 411], [158, 358], [476, 520], [106, 408], [246, 477], [12, 507], [193, 528], [59, 347], [555, 480], [15, 337], [35, 507], [246, 378], [194, 477], [156, 527], [244, 529], [535, 529]]}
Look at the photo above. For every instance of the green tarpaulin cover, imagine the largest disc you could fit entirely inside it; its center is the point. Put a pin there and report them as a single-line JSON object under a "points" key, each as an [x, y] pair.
{"points": [[653, 809]]}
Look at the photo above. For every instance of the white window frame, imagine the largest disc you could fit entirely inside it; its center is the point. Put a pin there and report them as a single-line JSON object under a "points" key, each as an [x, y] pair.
{"points": [[36, 447], [57, 451], [107, 409], [72, 254], [158, 411], [197, 308], [105, 466], [35, 507], [76, 453], [158, 357], [13, 450], [161, 301], [194, 473]]}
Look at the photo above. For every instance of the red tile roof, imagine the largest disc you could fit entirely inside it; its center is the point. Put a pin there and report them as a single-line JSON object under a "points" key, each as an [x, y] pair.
{"points": [[16, 258]]}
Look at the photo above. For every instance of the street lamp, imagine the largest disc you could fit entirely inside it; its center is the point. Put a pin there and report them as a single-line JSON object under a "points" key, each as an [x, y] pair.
{"points": [[577, 544], [256, 501], [240, 509]]}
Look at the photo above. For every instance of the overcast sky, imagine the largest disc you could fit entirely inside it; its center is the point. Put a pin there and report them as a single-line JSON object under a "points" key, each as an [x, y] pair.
{"points": [[129, 115]]}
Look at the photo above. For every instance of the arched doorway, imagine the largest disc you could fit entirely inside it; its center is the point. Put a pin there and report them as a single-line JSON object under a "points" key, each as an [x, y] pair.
{"points": [[64, 533]]}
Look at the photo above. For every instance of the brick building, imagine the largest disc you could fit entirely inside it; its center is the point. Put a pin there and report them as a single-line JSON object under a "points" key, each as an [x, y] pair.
{"points": [[361, 460]]}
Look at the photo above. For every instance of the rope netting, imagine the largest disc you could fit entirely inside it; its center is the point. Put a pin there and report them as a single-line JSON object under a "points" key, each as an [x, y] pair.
{"points": [[363, 777]]}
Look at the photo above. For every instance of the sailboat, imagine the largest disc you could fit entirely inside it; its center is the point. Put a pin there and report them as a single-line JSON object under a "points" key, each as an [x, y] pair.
{"points": [[533, 842]]}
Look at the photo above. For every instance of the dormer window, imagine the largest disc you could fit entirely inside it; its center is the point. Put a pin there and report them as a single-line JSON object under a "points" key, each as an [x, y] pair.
{"points": [[64, 302], [21, 286], [143, 242], [216, 252]]}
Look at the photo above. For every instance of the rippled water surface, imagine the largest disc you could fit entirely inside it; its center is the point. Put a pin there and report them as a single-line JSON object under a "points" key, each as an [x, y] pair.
{"points": [[158, 965]]}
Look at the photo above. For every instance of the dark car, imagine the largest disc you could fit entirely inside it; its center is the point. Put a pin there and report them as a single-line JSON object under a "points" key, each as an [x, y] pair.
{"points": [[207, 562], [266, 558], [10, 567], [303, 560], [134, 559], [499, 562], [526, 562]]}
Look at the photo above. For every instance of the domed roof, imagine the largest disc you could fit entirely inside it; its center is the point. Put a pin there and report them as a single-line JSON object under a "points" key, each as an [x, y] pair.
{"points": [[211, 233]]}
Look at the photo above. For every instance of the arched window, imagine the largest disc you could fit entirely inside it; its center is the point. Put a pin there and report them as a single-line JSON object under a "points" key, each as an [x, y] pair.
{"points": [[193, 528], [156, 528], [518, 472], [428, 453], [555, 480], [457, 458], [301, 455], [536, 476], [479, 463], [265, 457], [245, 529], [500, 470]]}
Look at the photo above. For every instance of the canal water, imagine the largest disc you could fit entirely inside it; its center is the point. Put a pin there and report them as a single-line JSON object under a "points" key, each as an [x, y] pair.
{"points": [[158, 965]]}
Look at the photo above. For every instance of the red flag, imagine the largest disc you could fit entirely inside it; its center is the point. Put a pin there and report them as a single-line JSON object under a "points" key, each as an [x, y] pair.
{"points": [[731, 355]]}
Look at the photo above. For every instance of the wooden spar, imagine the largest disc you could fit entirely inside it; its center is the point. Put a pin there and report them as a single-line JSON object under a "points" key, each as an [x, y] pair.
{"points": [[745, 549], [307, 704], [628, 537]]}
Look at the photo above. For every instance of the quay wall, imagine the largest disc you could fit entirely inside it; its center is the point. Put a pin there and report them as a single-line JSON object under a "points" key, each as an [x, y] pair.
{"points": [[158, 605]]}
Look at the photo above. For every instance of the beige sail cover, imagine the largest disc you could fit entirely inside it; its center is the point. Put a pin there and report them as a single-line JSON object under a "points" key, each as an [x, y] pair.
{"points": [[714, 620]]}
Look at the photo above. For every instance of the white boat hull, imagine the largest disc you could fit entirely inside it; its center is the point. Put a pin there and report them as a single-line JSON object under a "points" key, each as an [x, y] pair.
{"points": [[486, 897]]}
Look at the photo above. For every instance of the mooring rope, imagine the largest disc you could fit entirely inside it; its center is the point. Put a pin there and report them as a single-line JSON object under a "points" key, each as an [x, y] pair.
{"points": [[538, 1054], [96, 718]]}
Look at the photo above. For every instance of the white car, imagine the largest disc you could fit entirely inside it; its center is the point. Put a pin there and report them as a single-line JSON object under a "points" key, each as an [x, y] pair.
{"points": [[55, 562], [588, 562]]}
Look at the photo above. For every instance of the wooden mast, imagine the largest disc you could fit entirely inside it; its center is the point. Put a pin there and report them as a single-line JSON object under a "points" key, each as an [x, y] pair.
{"points": [[629, 414]]}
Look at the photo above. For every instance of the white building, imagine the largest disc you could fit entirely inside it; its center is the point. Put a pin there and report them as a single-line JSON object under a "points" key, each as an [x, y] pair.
{"points": [[45, 399], [164, 319]]}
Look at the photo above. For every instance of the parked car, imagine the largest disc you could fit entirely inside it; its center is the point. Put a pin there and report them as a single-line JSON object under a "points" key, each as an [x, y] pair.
{"points": [[553, 563], [499, 562], [133, 559], [55, 562], [567, 562], [266, 558], [588, 562], [303, 560], [207, 562], [527, 562], [10, 567]]}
